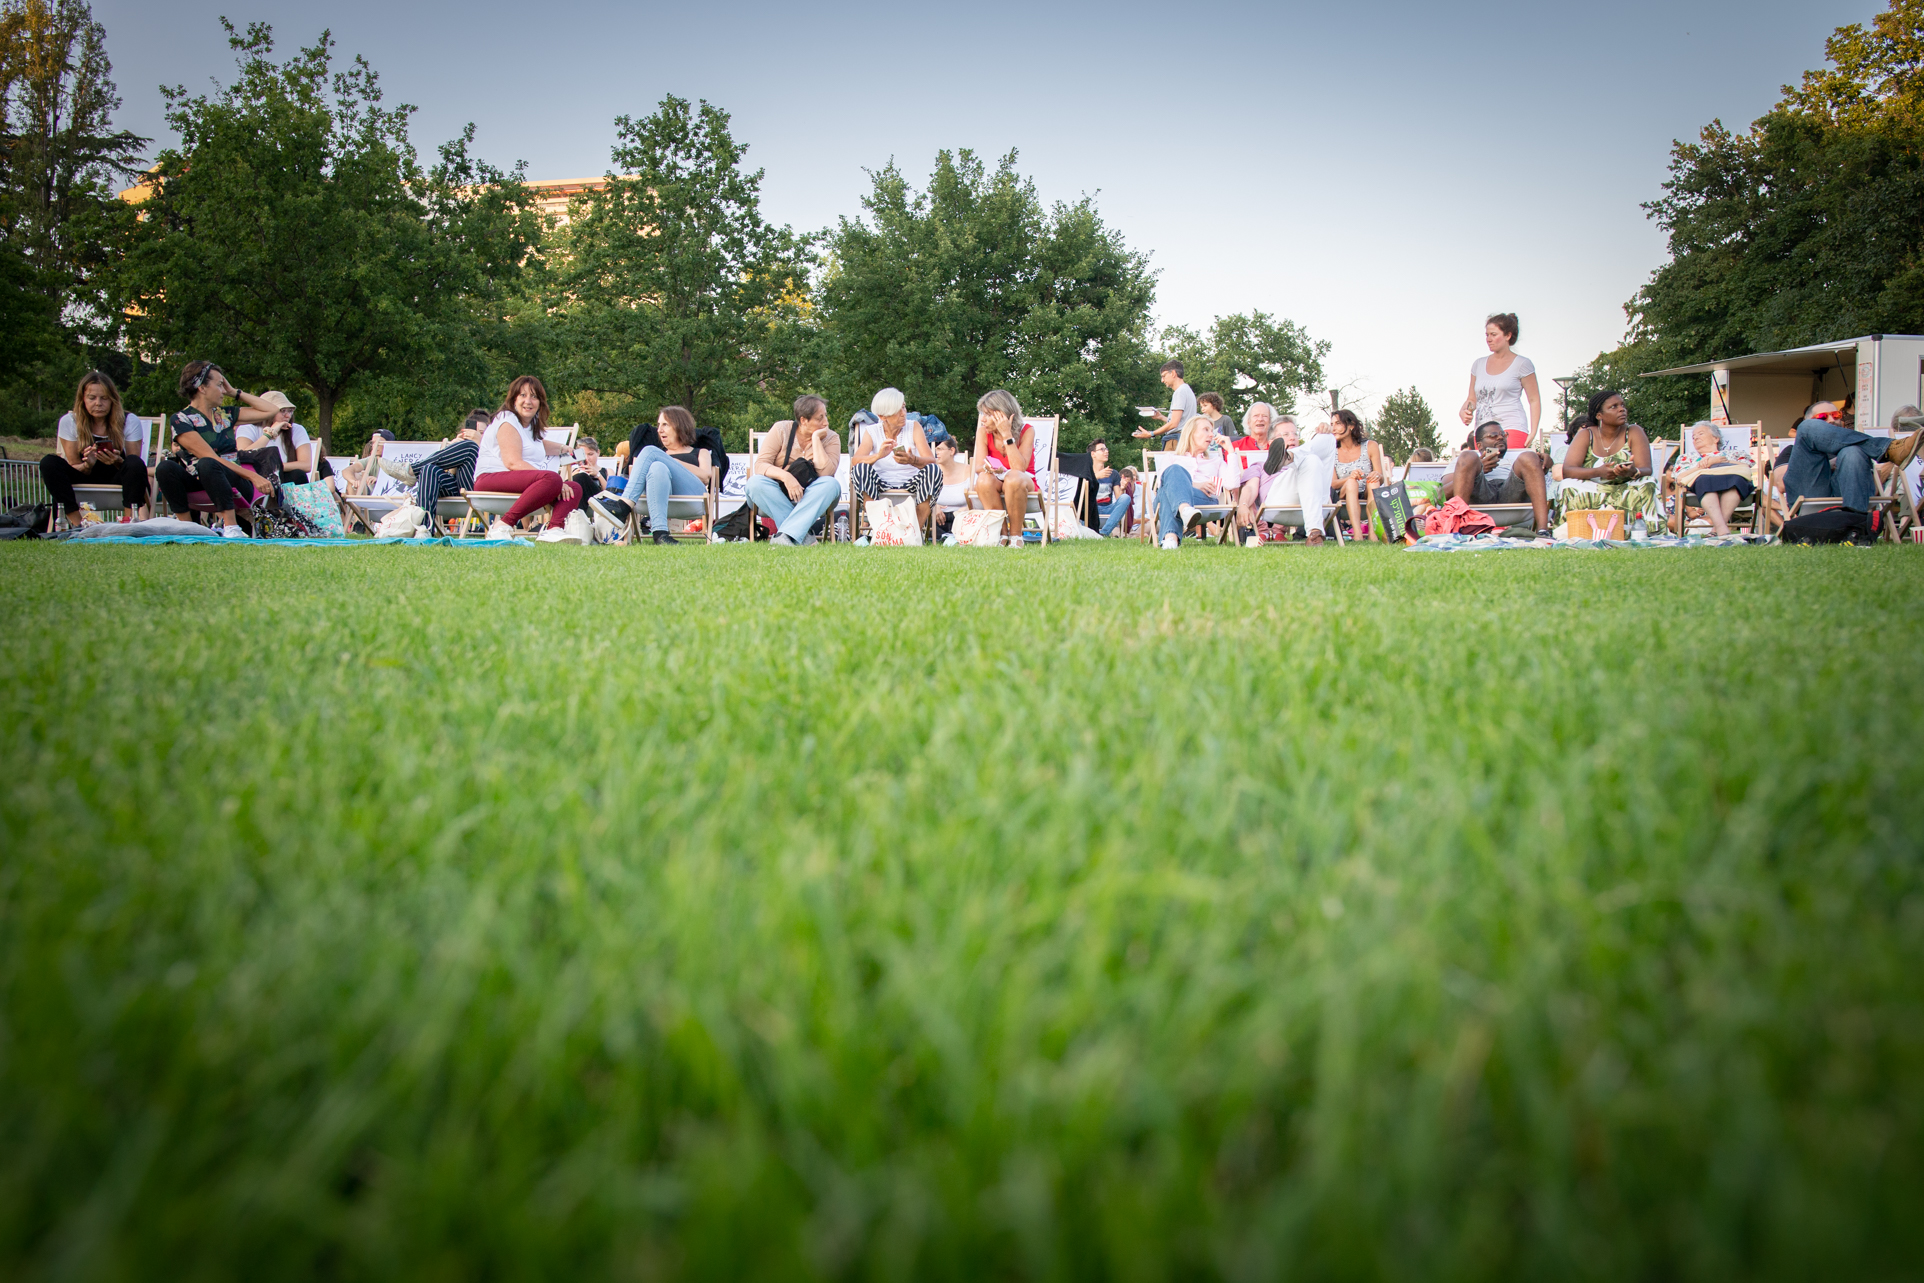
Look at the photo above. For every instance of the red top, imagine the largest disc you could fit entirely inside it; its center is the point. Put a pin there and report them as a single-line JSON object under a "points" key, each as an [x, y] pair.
{"points": [[1002, 459], [1250, 443]]}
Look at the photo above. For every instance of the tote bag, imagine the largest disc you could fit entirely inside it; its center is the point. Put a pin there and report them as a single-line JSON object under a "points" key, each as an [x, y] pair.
{"points": [[314, 503]]}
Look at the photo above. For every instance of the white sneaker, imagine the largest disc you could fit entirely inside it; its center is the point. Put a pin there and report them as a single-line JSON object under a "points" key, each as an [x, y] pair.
{"points": [[499, 529], [1254, 541], [399, 471], [555, 534], [579, 528], [1188, 514], [232, 532], [1170, 543]]}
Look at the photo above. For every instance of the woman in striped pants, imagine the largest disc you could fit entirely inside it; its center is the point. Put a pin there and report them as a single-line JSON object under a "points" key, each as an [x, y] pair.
{"points": [[449, 470]]}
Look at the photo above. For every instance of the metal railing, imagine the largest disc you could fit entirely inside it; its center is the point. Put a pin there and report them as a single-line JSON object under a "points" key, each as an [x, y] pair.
{"points": [[20, 483]]}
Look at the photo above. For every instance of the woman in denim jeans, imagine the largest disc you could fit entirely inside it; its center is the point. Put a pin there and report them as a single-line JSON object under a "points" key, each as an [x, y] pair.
{"points": [[1185, 481]]}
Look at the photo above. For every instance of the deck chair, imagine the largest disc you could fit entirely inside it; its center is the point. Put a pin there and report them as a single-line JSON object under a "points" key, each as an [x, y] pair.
{"points": [[107, 498], [1738, 438], [199, 504], [1889, 498], [841, 507], [1293, 516], [681, 507], [1223, 508], [857, 513]]}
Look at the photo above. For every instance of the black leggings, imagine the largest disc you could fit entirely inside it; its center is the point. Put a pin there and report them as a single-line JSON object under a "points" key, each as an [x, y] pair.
{"points": [[61, 477], [178, 479]]}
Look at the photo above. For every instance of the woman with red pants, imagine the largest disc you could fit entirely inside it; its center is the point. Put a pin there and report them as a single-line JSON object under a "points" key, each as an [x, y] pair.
{"points": [[510, 447]]}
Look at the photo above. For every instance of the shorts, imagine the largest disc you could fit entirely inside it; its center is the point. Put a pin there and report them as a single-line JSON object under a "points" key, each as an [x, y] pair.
{"points": [[1509, 490]]}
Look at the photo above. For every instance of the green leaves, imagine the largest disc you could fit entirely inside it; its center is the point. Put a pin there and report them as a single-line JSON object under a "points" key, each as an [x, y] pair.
{"points": [[1404, 424], [1246, 359], [971, 285], [669, 285]]}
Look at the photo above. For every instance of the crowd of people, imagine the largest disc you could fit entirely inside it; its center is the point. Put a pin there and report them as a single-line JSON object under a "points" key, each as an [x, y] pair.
{"points": [[231, 450]]}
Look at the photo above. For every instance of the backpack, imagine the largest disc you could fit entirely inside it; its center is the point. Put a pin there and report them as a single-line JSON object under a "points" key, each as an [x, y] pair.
{"points": [[1830, 525]]}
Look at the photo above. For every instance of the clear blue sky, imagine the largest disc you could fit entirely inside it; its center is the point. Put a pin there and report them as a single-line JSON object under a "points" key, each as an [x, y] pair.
{"points": [[1384, 174]]}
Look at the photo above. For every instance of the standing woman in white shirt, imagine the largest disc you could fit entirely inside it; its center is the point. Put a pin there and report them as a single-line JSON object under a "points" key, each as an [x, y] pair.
{"points": [[99, 443], [1501, 382]]}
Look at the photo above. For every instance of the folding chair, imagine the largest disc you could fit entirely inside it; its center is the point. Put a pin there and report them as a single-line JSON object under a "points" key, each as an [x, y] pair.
{"points": [[108, 498], [681, 507], [1738, 438], [841, 507], [1889, 498], [1293, 516], [1154, 462], [197, 500], [890, 494]]}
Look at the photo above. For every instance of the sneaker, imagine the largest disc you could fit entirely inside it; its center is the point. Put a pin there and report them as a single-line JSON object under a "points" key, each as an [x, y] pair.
{"points": [[578, 527], [1254, 541], [1903, 449], [1170, 543], [232, 532], [782, 541], [555, 534], [499, 529], [1314, 538], [662, 536], [399, 471], [1187, 513], [616, 510]]}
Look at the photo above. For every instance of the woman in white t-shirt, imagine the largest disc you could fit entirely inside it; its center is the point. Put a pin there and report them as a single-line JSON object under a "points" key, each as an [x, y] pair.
{"points": [[513, 455], [281, 446], [1500, 383], [99, 444]]}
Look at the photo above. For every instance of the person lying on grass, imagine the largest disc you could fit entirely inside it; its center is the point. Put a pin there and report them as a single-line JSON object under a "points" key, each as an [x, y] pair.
{"points": [[792, 481], [1194, 474], [203, 434], [1478, 477], [509, 447], [1004, 461]]}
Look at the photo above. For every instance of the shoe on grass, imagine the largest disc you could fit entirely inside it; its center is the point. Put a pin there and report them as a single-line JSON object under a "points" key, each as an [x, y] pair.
{"points": [[1254, 541], [780, 540], [662, 536], [1170, 542], [555, 534], [499, 529], [1315, 537], [232, 532]]}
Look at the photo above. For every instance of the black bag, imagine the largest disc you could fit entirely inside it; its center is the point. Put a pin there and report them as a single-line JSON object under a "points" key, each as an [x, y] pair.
{"points": [[736, 525], [1829, 525], [25, 521], [802, 468], [1393, 505]]}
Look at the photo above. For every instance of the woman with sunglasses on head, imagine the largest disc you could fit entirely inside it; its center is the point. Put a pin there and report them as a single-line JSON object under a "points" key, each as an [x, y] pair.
{"points": [[511, 447], [99, 443], [203, 438], [1359, 469], [281, 447]]}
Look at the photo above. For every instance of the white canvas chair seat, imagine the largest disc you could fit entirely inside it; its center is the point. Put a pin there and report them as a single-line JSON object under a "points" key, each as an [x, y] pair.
{"points": [[487, 505], [1224, 508], [1682, 455], [841, 507], [368, 509], [681, 507]]}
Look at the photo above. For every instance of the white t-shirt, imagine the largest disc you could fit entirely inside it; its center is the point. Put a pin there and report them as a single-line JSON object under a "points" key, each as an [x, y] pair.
{"points": [[258, 430], [892, 474], [132, 429], [1499, 397], [1210, 466], [532, 450]]}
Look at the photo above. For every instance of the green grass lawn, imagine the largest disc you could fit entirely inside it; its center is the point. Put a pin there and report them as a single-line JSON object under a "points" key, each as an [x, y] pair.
{"points": [[1087, 912]]}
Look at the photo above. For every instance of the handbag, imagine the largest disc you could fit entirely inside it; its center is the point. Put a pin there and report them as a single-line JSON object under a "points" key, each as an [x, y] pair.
{"points": [[314, 503], [893, 527], [979, 528], [801, 467], [1392, 503]]}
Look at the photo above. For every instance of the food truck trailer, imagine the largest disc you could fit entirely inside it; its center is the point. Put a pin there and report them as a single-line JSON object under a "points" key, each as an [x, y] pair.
{"points": [[1882, 372]]}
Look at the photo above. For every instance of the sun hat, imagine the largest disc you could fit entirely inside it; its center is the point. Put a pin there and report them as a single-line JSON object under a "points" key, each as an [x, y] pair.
{"points": [[279, 400]]}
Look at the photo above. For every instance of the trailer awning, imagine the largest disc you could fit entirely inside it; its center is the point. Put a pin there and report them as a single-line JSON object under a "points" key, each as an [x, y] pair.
{"points": [[1796, 360]]}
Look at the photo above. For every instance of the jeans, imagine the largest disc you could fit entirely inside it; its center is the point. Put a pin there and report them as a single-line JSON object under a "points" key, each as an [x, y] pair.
{"points": [[657, 476], [1831, 460], [1174, 488], [796, 520], [1114, 512]]}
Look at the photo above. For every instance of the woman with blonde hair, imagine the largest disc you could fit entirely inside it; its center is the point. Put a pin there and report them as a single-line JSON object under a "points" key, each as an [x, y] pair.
{"points": [[99, 443], [1196, 473], [1004, 460]]}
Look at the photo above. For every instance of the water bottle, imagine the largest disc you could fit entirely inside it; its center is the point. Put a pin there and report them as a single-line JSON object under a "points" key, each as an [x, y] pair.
{"points": [[1639, 533]]}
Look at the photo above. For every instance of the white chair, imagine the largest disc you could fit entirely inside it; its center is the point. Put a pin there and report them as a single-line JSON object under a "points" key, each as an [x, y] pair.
{"points": [[842, 507], [108, 498], [1154, 463], [1738, 438]]}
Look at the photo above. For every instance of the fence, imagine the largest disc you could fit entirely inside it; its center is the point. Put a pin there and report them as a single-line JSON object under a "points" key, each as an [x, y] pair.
{"points": [[20, 483]]}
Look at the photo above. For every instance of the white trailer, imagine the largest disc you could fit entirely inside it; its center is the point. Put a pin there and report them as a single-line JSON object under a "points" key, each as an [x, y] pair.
{"points": [[1884, 372]]}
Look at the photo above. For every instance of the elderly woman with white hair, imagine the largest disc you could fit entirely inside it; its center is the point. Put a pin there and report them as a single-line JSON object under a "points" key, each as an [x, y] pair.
{"points": [[1004, 460], [894, 453], [1717, 481]]}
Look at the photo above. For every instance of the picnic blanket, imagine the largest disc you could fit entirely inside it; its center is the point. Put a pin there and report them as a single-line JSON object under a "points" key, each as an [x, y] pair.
{"points": [[440, 541], [1496, 543]]}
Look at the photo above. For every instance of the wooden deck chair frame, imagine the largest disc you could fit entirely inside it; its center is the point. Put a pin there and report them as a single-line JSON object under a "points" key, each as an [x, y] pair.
{"points": [[1891, 496], [1737, 436], [678, 510], [1150, 480], [107, 498], [1044, 506]]}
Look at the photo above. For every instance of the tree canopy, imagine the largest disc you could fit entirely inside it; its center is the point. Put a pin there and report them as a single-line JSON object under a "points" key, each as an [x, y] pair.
{"points": [[1807, 226], [294, 237], [971, 284], [1405, 424], [1249, 358]]}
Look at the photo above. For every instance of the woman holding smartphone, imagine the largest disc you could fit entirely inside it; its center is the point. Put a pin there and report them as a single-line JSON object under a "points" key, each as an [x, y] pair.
{"points": [[1004, 461], [99, 444]]}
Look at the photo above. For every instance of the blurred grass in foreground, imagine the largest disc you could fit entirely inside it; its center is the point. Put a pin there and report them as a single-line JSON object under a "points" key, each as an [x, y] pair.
{"points": [[1089, 912]]}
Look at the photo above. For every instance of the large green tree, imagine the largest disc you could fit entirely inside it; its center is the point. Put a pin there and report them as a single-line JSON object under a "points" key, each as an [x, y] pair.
{"points": [[669, 285], [1807, 226], [973, 284], [294, 237], [61, 161], [1406, 423], [1249, 358]]}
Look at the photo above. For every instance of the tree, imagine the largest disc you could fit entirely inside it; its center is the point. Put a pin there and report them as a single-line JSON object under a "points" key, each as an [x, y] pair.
{"points": [[1406, 423], [294, 237], [971, 285], [1250, 358], [671, 285], [1808, 226]]}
